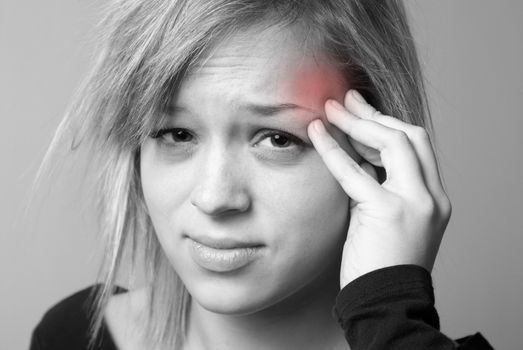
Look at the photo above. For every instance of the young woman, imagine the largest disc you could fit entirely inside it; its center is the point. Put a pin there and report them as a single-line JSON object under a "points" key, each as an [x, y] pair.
{"points": [[262, 155]]}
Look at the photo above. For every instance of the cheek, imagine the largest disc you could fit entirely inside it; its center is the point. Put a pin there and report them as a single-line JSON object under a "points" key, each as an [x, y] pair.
{"points": [[311, 213], [152, 184], [326, 217], [310, 229], [161, 188]]}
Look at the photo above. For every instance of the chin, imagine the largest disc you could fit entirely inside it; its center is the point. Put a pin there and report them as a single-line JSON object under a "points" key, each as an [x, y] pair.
{"points": [[234, 298], [231, 303]]}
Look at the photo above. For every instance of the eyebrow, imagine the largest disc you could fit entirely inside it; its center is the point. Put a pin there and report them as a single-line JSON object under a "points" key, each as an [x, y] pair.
{"points": [[262, 110], [271, 110]]}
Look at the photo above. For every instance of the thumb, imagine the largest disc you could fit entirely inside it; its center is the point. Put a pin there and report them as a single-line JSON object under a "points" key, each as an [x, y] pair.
{"points": [[369, 169]]}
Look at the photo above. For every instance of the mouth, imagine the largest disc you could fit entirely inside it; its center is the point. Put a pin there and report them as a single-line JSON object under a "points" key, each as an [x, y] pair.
{"points": [[223, 255]]}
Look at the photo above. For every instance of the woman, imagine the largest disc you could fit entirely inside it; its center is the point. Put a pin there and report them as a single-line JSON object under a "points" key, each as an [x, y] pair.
{"points": [[251, 213]]}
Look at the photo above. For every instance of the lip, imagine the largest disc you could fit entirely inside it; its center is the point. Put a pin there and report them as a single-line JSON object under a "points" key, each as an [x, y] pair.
{"points": [[224, 242], [223, 255]]}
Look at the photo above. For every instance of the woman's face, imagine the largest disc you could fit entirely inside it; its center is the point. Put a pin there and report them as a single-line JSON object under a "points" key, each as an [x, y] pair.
{"points": [[243, 205]]}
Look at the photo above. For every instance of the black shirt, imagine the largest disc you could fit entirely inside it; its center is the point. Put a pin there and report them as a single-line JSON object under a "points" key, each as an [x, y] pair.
{"points": [[391, 308]]}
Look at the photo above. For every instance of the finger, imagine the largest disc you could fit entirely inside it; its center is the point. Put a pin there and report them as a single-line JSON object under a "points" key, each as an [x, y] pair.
{"points": [[418, 136], [357, 105], [396, 152], [370, 154], [354, 180], [369, 169]]}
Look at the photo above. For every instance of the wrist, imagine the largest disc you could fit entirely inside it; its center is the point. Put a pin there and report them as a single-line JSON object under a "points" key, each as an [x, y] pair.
{"points": [[351, 273]]}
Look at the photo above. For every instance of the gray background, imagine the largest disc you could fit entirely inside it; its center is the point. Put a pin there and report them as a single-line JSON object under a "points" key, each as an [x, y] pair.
{"points": [[472, 52]]}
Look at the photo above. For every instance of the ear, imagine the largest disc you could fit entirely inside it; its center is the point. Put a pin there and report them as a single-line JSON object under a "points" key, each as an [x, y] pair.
{"points": [[377, 173]]}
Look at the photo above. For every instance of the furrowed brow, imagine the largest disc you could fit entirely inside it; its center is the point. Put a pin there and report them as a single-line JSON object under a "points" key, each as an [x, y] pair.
{"points": [[272, 110], [262, 110]]}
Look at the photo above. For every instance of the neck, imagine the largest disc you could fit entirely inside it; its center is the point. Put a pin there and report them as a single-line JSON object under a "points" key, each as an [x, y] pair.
{"points": [[300, 321]]}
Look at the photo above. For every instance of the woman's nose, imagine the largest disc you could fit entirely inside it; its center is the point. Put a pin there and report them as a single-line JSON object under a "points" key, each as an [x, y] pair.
{"points": [[221, 186]]}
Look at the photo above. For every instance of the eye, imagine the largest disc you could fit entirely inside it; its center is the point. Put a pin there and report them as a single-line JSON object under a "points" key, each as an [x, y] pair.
{"points": [[275, 138], [172, 136], [280, 139]]}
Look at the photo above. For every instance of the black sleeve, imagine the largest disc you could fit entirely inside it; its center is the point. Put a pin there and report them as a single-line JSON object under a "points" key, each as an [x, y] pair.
{"points": [[36, 343], [66, 325], [393, 308]]}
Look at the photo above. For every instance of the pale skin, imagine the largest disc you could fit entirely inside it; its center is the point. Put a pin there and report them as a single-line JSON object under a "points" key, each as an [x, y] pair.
{"points": [[400, 221]]}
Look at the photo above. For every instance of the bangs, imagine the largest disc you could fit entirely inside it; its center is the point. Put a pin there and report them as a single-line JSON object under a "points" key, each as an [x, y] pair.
{"points": [[145, 59]]}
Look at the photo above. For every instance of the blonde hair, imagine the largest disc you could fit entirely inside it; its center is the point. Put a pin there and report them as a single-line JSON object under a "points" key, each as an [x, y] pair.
{"points": [[145, 49]]}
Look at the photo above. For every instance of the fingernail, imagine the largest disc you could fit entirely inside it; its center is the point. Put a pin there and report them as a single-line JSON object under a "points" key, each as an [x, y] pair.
{"points": [[318, 125], [336, 105], [357, 96]]}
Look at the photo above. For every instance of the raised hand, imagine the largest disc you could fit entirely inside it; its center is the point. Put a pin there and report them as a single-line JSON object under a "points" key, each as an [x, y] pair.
{"points": [[400, 221]]}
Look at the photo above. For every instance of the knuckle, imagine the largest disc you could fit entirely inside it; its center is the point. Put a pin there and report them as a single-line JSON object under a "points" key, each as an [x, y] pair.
{"points": [[427, 205], [446, 207], [347, 172], [352, 166], [331, 147], [360, 123], [399, 137], [375, 114], [420, 133], [342, 180]]}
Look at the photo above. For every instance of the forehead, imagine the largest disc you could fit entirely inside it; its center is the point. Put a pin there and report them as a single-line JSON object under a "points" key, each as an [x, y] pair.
{"points": [[273, 63]]}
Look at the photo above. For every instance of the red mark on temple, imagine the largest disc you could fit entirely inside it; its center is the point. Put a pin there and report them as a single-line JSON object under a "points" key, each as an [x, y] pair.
{"points": [[312, 83]]}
